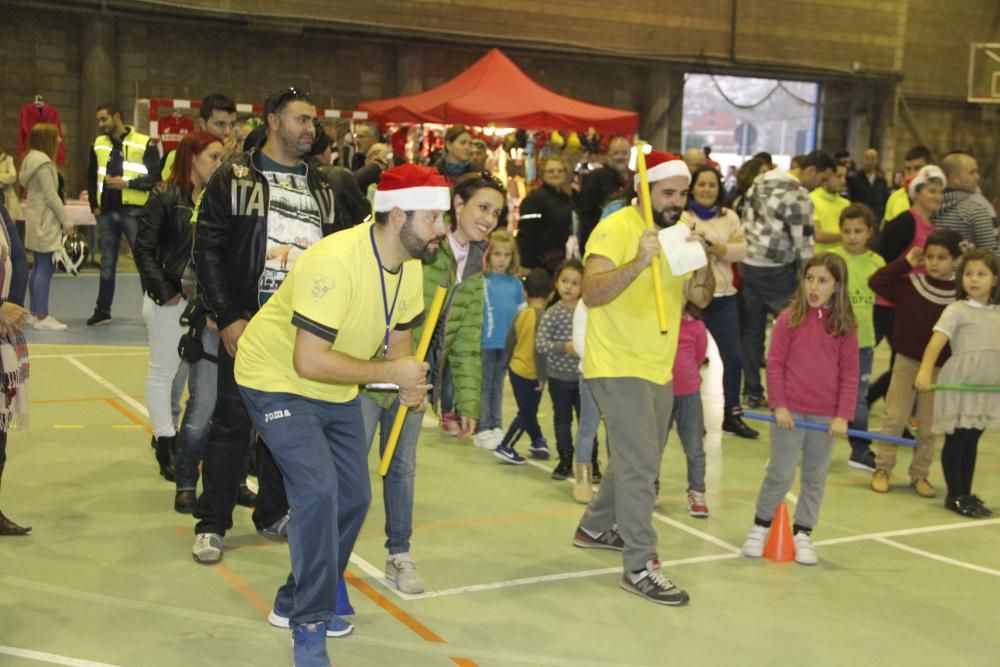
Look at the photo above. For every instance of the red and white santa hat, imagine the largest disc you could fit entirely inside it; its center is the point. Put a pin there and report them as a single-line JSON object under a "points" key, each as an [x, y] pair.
{"points": [[661, 165], [412, 188]]}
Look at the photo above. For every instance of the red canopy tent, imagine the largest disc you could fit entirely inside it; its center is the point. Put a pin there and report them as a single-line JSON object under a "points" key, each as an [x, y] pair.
{"points": [[495, 91]]}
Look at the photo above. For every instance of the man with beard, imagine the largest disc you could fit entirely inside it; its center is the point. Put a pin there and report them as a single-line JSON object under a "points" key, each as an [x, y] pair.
{"points": [[343, 317], [599, 186], [259, 212], [628, 364]]}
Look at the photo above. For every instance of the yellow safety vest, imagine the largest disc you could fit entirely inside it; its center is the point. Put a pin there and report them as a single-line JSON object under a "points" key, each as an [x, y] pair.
{"points": [[133, 149]]}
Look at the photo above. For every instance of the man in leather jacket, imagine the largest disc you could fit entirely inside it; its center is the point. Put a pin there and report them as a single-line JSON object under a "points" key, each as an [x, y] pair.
{"points": [[260, 211]]}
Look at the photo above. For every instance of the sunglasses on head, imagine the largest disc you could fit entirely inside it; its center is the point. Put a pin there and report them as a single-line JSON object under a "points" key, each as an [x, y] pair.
{"points": [[277, 101]]}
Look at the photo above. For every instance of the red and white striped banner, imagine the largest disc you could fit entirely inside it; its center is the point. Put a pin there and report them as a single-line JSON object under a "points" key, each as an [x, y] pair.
{"points": [[158, 103]]}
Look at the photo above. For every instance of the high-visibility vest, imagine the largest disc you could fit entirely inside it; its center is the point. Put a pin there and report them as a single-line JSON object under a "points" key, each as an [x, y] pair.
{"points": [[133, 149]]}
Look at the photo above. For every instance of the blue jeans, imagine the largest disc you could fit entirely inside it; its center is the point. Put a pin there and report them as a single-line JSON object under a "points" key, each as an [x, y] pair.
{"points": [[224, 462], [690, 420], [202, 381], [398, 485], [110, 227], [491, 410], [320, 448], [722, 319], [766, 289], [860, 422], [39, 283], [565, 396], [527, 394], [448, 392], [586, 430]]}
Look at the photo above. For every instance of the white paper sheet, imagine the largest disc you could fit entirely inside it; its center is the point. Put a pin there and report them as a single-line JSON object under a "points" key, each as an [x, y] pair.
{"points": [[682, 254]]}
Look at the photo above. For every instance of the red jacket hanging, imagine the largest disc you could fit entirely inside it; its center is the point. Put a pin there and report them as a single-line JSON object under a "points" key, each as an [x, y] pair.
{"points": [[32, 115]]}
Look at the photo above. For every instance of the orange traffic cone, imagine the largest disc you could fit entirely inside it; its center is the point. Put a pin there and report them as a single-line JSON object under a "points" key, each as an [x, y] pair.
{"points": [[780, 547]]}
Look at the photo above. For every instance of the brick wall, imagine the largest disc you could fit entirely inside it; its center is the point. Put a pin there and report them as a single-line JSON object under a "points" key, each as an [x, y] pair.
{"points": [[40, 55], [349, 52]]}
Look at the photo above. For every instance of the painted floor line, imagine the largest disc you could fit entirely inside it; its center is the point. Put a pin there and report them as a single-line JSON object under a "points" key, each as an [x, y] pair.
{"points": [[938, 557], [906, 531], [89, 354], [50, 658], [107, 384], [548, 578], [732, 548]]}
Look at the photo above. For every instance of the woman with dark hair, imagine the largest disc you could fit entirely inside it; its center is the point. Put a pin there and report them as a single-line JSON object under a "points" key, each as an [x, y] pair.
{"points": [[454, 356], [45, 219], [720, 228], [162, 253], [478, 205], [13, 347], [457, 156]]}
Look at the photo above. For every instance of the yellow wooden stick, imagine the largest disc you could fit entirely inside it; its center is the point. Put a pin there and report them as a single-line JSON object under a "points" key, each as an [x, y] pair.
{"points": [[430, 324], [647, 215]]}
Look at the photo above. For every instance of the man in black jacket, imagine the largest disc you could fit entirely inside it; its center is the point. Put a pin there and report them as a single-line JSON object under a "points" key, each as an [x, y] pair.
{"points": [[260, 211], [868, 185], [546, 220], [600, 184]]}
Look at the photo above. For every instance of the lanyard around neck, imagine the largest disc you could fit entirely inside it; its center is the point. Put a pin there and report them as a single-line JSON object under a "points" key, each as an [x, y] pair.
{"points": [[386, 308]]}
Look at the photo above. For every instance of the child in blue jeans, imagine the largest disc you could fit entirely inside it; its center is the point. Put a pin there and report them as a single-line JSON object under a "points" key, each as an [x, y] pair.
{"points": [[687, 412], [504, 297], [526, 371]]}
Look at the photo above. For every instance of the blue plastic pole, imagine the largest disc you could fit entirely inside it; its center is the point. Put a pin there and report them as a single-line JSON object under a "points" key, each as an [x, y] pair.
{"points": [[760, 416], [342, 605]]}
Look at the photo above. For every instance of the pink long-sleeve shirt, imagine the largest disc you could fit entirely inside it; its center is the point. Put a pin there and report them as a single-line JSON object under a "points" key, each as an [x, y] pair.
{"points": [[692, 341], [811, 371]]}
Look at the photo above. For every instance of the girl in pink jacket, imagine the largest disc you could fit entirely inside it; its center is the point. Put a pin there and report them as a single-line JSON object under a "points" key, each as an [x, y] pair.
{"points": [[812, 376]]}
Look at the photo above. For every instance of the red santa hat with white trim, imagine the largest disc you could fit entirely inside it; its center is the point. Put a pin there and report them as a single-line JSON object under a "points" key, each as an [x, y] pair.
{"points": [[661, 165], [412, 188]]}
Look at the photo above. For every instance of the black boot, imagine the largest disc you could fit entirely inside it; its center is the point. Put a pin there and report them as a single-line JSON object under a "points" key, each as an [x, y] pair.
{"points": [[733, 423], [8, 527], [565, 467], [595, 464], [245, 497], [185, 501], [164, 456]]}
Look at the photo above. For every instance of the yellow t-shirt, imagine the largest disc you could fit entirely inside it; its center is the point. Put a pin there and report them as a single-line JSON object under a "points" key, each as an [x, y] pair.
{"points": [[623, 336], [898, 202], [522, 359], [827, 215], [334, 292]]}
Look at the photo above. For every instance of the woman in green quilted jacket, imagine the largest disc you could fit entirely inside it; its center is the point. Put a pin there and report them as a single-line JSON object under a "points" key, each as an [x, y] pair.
{"points": [[477, 205], [456, 365]]}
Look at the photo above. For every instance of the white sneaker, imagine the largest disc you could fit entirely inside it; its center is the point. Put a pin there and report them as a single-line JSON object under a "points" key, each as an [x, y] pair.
{"points": [[488, 439], [207, 548], [805, 552], [49, 323], [498, 434], [756, 539], [402, 571], [29, 319]]}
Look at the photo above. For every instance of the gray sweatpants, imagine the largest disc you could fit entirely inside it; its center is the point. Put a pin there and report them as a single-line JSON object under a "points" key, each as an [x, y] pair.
{"points": [[636, 417], [786, 445]]}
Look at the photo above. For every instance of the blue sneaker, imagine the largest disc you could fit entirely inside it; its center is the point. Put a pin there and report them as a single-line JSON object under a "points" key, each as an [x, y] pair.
{"points": [[309, 645], [539, 449], [337, 627], [508, 455]]}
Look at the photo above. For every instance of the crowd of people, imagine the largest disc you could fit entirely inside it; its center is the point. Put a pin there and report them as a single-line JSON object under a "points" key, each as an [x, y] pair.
{"points": [[286, 284]]}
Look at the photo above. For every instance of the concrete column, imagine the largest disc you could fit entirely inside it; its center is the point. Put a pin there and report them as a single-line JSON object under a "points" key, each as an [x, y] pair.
{"points": [[98, 74], [409, 70], [653, 116], [675, 113]]}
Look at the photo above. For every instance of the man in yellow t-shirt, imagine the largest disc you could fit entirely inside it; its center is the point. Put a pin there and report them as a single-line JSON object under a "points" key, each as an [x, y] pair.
{"points": [[827, 205], [627, 363], [342, 317]]}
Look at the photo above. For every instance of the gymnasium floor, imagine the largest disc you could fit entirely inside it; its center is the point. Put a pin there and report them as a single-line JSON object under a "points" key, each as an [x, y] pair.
{"points": [[107, 579]]}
